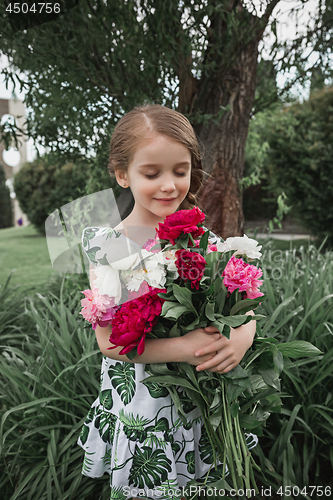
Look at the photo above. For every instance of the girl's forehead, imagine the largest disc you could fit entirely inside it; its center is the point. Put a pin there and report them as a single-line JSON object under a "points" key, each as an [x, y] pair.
{"points": [[154, 145]]}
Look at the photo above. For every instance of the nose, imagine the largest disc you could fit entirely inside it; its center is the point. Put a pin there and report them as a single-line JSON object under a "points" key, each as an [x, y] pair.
{"points": [[167, 184]]}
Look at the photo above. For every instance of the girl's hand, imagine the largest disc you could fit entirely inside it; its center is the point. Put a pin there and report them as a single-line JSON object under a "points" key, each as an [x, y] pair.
{"points": [[227, 353], [198, 340]]}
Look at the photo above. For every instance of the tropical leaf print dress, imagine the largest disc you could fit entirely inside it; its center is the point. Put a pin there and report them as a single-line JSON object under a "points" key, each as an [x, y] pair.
{"points": [[132, 431]]}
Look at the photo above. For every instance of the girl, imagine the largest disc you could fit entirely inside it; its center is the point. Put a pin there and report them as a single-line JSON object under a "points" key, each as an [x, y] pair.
{"points": [[132, 431]]}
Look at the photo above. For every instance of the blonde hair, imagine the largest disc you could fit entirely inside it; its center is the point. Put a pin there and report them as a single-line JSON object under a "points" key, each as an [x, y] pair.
{"points": [[145, 122]]}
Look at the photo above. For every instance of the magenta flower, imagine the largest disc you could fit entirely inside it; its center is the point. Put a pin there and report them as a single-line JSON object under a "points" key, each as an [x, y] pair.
{"points": [[238, 274], [134, 320], [191, 266]]}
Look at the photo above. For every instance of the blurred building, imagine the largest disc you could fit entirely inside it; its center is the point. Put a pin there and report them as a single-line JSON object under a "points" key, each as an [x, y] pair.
{"points": [[13, 159]]}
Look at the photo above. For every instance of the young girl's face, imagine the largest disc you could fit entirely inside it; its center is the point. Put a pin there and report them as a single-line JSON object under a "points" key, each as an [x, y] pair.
{"points": [[159, 176]]}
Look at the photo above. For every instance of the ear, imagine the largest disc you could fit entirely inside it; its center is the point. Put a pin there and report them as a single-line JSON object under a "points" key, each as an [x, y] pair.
{"points": [[121, 177]]}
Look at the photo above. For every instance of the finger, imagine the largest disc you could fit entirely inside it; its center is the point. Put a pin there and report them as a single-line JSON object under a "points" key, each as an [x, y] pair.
{"points": [[214, 364], [219, 362], [211, 328], [224, 367], [217, 345]]}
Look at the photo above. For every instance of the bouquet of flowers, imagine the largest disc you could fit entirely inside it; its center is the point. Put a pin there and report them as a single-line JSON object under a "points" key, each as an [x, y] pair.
{"points": [[183, 281]]}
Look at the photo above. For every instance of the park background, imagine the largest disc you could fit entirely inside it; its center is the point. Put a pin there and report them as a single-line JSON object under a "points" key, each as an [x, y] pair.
{"points": [[254, 79]]}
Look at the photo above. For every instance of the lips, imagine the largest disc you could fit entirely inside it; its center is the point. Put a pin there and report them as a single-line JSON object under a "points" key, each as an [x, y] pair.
{"points": [[164, 199]]}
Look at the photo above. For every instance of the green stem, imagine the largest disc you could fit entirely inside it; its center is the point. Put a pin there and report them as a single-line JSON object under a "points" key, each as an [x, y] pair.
{"points": [[230, 461], [236, 451], [246, 452], [192, 239]]}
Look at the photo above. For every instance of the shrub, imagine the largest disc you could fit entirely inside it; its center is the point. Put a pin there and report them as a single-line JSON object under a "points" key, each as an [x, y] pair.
{"points": [[300, 160], [46, 184], [6, 214]]}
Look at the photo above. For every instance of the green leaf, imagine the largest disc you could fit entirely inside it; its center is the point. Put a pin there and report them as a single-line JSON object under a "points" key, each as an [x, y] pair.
{"points": [[298, 349], [204, 240], [174, 332], [131, 354], [234, 321], [184, 297], [234, 409], [209, 311], [176, 311], [244, 305], [248, 422]]}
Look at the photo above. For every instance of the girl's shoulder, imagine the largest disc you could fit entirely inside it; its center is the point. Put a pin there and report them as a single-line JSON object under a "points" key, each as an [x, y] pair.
{"points": [[103, 245]]}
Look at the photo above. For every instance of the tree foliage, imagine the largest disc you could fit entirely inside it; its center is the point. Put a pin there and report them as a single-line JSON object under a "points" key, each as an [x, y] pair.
{"points": [[84, 70], [300, 160]]}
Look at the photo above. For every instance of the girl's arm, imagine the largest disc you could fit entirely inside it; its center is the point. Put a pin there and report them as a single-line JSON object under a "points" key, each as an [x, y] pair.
{"points": [[228, 352], [180, 349]]}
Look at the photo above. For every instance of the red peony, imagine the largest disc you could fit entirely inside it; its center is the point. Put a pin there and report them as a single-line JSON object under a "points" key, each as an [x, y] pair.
{"points": [[183, 221], [191, 266], [134, 319], [238, 274]]}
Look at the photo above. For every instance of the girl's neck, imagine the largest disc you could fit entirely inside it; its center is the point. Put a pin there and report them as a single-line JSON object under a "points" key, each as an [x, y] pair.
{"points": [[139, 219]]}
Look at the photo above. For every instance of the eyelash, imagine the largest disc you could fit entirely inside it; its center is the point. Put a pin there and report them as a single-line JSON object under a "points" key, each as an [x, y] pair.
{"points": [[153, 176]]}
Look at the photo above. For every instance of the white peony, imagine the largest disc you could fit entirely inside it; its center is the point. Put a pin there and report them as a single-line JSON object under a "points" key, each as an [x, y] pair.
{"points": [[108, 279], [108, 282], [169, 259], [242, 246], [150, 270]]}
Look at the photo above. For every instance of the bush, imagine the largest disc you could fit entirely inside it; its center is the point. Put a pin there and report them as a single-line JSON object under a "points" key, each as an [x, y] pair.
{"points": [[6, 214], [46, 184], [300, 160]]}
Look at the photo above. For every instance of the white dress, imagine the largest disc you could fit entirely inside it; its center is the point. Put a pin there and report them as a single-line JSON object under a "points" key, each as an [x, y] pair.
{"points": [[133, 431]]}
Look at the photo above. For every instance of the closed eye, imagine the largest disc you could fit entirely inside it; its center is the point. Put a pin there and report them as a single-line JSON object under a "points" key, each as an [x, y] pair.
{"points": [[155, 175]]}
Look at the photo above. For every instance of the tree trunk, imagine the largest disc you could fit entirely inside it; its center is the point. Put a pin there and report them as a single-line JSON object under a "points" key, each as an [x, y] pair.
{"points": [[223, 144]]}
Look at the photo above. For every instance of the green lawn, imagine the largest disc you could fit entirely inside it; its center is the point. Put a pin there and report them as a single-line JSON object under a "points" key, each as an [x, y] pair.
{"points": [[22, 249]]}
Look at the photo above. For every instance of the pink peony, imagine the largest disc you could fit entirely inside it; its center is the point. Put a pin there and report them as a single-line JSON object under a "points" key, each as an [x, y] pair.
{"points": [[238, 274], [191, 266], [134, 320], [183, 221], [97, 309], [211, 248]]}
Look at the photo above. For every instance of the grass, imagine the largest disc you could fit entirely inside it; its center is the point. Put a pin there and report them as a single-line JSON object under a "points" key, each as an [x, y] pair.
{"points": [[49, 374], [23, 249], [50, 363]]}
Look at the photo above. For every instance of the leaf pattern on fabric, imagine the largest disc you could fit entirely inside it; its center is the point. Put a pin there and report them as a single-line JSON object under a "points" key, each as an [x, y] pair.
{"points": [[88, 236], [190, 459], [105, 398], [88, 462], [149, 468], [105, 423], [122, 377], [169, 490], [205, 447], [134, 426], [107, 458], [157, 391], [117, 493], [84, 434]]}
